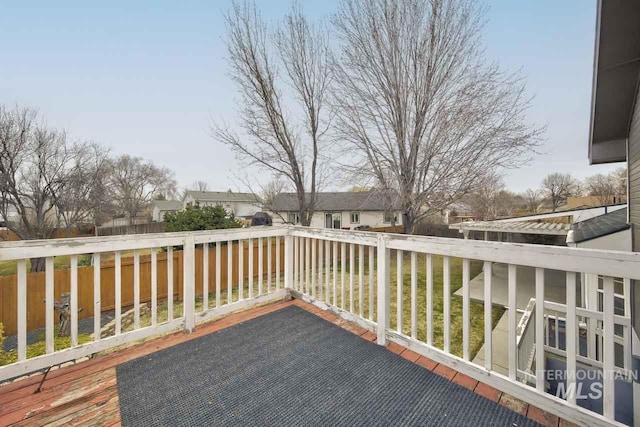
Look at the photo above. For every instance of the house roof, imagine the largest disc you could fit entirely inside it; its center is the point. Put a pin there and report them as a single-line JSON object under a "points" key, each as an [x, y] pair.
{"points": [[168, 205], [615, 79], [341, 201], [221, 196], [523, 227], [601, 225]]}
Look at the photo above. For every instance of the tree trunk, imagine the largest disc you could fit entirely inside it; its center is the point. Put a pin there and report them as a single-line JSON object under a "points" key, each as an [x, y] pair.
{"points": [[408, 223], [37, 264]]}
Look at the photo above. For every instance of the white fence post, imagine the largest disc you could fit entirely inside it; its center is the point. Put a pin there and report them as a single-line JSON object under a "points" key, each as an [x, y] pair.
{"points": [[384, 280], [189, 291], [288, 261]]}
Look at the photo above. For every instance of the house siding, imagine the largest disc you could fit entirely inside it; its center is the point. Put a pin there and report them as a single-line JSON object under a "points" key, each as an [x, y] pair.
{"points": [[634, 174]]}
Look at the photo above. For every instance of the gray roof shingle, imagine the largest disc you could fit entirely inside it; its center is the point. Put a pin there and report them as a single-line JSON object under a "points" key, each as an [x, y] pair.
{"points": [[168, 205], [600, 225], [341, 201], [221, 196]]}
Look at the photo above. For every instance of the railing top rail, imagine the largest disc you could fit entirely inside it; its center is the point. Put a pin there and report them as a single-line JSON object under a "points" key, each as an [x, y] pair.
{"points": [[356, 237], [593, 261], [80, 245]]}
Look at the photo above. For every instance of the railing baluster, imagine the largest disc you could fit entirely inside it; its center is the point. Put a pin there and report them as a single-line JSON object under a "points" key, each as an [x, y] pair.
{"points": [[414, 294], [399, 286], [218, 273], [429, 299], [446, 298], [626, 331], [313, 267], [205, 276], [540, 356], [73, 304], [301, 265], [268, 264], [97, 311], [321, 294], [118, 291], [170, 283], [343, 265], [230, 271], [307, 265], [466, 272], [136, 289], [327, 271], [488, 318], [335, 273], [608, 359], [361, 280], [154, 286], [570, 334], [384, 285], [189, 283], [278, 249], [250, 248], [22, 309], [240, 270], [49, 299], [513, 316], [371, 282], [260, 265], [351, 277]]}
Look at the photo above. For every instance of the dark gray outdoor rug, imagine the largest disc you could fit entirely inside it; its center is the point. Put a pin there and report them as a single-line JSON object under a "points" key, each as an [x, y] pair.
{"points": [[291, 367]]}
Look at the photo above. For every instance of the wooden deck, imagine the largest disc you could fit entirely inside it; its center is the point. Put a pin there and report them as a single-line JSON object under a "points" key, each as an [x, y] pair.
{"points": [[86, 393]]}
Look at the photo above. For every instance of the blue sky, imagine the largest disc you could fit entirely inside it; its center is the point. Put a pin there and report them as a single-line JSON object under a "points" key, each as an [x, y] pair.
{"points": [[146, 78]]}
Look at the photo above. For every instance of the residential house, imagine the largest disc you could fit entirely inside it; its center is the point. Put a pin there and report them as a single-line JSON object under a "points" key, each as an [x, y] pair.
{"points": [[161, 207], [242, 205], [341, 210]]}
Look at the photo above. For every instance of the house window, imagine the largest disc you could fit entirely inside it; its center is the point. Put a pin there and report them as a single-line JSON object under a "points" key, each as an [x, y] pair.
{"points": [[333, 220], [390, 217], [355, 217], [294, 218]]}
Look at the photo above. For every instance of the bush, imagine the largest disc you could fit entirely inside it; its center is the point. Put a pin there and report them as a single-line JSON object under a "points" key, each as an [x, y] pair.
{"points": [[197, 218]]}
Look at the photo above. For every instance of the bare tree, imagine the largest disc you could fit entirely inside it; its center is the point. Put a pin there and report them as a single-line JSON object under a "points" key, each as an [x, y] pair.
{"points": [[42, 177], [425, 114], [286, 144], [135, 183], [557, 188], [533, 200], [603, 187], [82, 195], [200, 186], [490, 199]]}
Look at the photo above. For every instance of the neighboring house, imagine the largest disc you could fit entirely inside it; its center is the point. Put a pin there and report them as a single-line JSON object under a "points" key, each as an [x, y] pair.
{"points": [[242, 205], [161, 207], [586, 201], [345, 210]]}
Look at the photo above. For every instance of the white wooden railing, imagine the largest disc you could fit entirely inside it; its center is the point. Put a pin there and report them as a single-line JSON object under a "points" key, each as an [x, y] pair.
{"points": [[323, 281], [526, 343], [349, 273]]}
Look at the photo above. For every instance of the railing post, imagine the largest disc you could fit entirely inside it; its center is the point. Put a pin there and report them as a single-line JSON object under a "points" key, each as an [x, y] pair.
{"points": [[288, 260], [189, 283], [384, 279]]}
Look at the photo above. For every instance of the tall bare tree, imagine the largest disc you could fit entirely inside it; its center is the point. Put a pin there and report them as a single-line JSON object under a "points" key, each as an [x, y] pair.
{"points": [[425, 113], [533, 198], [44, 179], [603, 187], [82, 195], [199, 186], [265, 65], [134, 183], [557, 187]]}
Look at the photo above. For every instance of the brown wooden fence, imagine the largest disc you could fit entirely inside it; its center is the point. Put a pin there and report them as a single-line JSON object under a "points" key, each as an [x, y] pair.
{"points": [[36, 282]]}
